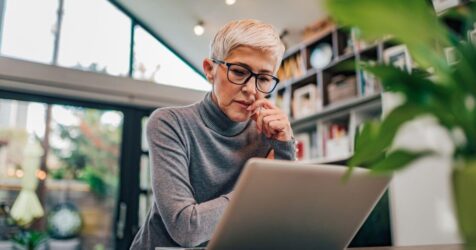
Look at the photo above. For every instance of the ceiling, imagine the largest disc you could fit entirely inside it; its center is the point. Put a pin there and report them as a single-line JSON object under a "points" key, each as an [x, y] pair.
{"points": [[173, 20]]}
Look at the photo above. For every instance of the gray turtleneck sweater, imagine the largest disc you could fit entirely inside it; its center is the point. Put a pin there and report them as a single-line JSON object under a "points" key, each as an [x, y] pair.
{"points": [[197, 154]]}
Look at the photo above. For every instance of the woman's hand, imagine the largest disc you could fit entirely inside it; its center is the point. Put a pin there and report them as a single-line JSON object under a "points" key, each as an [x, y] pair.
{"points": [[270, 120]]}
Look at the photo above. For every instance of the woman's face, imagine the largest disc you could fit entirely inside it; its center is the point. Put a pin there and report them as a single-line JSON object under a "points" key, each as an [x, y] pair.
{"points": [[234, 99]]}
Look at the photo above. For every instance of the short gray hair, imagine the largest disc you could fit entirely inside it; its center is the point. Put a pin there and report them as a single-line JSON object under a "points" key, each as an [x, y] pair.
{"points": [[247, 32]]}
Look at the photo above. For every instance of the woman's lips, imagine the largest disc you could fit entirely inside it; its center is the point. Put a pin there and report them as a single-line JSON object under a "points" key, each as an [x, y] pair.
{"points": [[244, 104]]}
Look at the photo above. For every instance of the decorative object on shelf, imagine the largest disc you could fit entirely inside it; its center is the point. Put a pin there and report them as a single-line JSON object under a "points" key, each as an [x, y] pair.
{"points": [[341, 88], [318, 28], [448, 96], [441, 5], [321, 56], [356, 40], [399, 57], [305, 101], [64, 221], [369, 84]]}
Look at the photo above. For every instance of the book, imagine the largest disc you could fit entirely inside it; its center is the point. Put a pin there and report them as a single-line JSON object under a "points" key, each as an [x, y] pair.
{"points": [[303, 146]]}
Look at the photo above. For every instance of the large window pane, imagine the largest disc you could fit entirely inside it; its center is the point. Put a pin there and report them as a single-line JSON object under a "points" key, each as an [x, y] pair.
{"points": [[82, 163], [154, 62], [95, 36], [28, 31]]}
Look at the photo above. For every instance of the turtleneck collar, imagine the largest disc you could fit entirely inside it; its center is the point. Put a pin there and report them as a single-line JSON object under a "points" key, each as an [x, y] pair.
{"points": [[216, 120]]}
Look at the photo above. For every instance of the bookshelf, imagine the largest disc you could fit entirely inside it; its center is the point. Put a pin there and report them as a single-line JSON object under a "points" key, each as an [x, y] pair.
{"points": [[324, 90], [327, 95]]}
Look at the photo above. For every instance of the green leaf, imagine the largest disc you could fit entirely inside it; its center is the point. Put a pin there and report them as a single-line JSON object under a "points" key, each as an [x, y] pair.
{"points": [[365, 148], [376, 137], [397, 160], [464, 72]]}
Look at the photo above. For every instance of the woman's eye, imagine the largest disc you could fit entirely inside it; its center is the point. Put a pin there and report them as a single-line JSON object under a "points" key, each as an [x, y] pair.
{"points": [[264, 79], [238, 72]]}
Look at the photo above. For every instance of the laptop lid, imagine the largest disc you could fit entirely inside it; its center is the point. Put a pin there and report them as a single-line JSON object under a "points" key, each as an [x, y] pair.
{"points": [[291, 205]]}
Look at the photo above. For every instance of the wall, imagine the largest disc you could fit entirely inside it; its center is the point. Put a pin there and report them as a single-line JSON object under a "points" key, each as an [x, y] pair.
{"points": [[420, 196], [35, 78]]}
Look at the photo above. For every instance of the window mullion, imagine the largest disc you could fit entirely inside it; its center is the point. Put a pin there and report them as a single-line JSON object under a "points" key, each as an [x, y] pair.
{"points": [[2, 14], [131, 50], [58, 31]]}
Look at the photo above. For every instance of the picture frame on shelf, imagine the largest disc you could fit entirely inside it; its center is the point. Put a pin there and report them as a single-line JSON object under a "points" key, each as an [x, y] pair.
{"points": [[305, 101], [441, 5], [358, 43], [369, 83], [399, 57]]}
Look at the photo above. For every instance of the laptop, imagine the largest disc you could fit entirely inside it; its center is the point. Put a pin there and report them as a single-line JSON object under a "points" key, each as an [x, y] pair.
{"points": [[291, 205]]}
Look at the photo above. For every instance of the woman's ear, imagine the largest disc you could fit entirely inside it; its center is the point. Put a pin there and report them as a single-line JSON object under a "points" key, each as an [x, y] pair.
{"points": [[208, 69]]}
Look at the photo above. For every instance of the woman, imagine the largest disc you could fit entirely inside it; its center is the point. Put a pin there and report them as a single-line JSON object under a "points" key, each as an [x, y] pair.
{"points": [[198, 151]]}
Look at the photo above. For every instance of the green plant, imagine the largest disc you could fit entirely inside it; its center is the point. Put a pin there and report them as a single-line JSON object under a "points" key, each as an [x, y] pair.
{"points": [[95, 179], [29, 239], [449, 95]]}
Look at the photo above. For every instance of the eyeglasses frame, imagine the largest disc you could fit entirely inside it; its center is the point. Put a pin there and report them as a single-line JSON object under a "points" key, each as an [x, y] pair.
{"points": [[252, 74]]}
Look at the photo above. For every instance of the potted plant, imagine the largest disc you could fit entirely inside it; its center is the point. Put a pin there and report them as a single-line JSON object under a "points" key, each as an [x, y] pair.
{"points": [[448, 93]]}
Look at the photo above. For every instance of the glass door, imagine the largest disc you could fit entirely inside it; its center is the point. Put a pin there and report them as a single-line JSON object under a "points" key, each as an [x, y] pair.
{"points": [[74, 153]]}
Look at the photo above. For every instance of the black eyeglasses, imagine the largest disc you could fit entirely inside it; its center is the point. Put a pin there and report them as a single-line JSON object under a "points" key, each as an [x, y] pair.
{"points": [[240, 75]]}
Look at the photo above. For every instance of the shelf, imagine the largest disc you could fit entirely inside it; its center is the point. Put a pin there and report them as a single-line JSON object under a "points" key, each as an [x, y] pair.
{"points": [[319, 37], [291, 81], [339, 60], [462, 3], [292, 51], [310, 120], [308, 42]]}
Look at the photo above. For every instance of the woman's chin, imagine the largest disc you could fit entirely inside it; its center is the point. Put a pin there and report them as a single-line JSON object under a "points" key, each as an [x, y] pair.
{"points": [[240, 117]]}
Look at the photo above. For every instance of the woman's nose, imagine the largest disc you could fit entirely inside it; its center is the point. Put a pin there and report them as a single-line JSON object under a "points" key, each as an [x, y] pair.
{"points": [[250, 85]]}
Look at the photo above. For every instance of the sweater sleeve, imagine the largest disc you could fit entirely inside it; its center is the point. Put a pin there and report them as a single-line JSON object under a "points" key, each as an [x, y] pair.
{"points": [[188, 223], [284, 150]]}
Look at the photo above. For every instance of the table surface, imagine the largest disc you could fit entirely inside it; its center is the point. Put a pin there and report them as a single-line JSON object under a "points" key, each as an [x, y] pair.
{"points": [[434, 247]]}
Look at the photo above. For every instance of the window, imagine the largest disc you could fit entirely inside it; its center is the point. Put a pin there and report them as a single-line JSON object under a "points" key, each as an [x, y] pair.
{"points": [[154, 62], [95, 36], [82, 163], [29, 30]]}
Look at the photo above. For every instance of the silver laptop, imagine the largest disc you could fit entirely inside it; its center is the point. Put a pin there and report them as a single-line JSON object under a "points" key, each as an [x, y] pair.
{"points": [[291, 205]]}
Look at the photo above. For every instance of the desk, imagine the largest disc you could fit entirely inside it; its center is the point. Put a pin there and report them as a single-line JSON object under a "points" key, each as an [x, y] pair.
{"points": [[435, 247]]}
